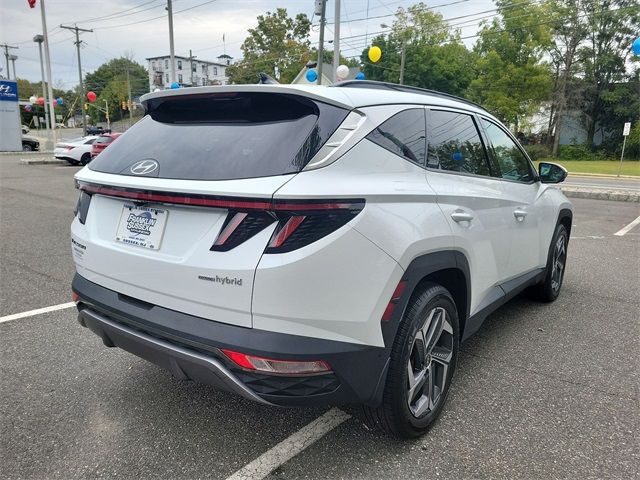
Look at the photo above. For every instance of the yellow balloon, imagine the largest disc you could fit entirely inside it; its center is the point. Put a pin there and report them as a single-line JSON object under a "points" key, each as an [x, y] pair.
{"points": [[374, 54]]}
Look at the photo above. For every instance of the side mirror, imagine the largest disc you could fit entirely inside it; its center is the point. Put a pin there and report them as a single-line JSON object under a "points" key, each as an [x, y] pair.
{"points": [[551, 172]]}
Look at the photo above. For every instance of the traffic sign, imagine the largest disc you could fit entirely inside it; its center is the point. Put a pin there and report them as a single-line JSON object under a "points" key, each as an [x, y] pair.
{"points": [[627, 129]]}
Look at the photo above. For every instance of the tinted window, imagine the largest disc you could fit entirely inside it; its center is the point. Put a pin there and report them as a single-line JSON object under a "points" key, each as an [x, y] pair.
{"points": [[224, 136], [454, 144], [103, 140], [511, 161], [403, 134]]}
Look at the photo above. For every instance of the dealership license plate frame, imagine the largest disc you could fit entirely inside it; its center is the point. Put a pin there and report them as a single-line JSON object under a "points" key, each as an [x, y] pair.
{"points": [[133, 231]]}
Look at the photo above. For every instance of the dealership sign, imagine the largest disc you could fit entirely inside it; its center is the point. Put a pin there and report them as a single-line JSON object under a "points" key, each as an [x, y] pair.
{"points": [[11, 138]]}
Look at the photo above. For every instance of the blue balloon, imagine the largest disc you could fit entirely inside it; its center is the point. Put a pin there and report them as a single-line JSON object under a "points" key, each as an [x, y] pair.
{"points": [[312, 75], [635, 46], [457, 157], [59, 101], [175, 85], [360, 76]]}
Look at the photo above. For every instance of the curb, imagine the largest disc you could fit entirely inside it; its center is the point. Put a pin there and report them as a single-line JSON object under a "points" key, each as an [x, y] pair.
{"points": [[42, 161], [614, 195], [603, 175], [26, 154]]}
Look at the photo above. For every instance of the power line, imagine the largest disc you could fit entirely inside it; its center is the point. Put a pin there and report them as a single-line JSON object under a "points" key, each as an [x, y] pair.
{"points": [[78, 42]]}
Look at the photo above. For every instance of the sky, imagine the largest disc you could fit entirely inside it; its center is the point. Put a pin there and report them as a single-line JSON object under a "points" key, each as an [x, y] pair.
{"points": [[140, 28]]}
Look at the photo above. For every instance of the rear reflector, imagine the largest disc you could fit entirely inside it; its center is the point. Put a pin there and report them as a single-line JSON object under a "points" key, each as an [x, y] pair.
{"points": [[74, 297], [281, 367], [395, 297]]}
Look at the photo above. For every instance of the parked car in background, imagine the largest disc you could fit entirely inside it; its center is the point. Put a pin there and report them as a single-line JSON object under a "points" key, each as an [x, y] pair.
{"points": [[30, 144], [102, 142], [75, 151], [96, 130]]}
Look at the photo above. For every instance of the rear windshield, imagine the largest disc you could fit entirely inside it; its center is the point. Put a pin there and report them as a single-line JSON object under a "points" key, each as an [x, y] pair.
{"points": [[224, 136], [103, 140]]}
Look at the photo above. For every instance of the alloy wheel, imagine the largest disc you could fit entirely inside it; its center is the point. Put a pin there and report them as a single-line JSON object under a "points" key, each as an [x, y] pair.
{"points": [[557, 265], [429, 360]]}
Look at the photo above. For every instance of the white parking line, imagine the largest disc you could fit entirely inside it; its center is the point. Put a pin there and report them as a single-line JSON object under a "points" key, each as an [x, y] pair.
{"points": [[625, 229], [291, 446], [37, 311]]}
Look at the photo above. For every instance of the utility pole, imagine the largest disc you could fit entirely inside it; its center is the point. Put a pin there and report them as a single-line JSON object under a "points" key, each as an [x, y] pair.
{"points": [[39, 39], [130, 101], [47, 58], [106, 112], [323, 21], [172, 55], [6, 56], [402, 59], [191, 57], [13, 59], [77, 43], [336, 40]]}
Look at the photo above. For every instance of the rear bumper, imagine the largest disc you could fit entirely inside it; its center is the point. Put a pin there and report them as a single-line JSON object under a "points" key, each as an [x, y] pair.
{"points": [[190, 346]]}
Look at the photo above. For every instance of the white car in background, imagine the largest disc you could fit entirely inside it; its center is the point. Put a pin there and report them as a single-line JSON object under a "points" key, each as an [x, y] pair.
{"points": [[76, 151]]}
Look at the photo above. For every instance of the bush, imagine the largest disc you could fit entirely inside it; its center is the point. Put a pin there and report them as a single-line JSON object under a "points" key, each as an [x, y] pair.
{"points": [[579, 152], [538, 152]]}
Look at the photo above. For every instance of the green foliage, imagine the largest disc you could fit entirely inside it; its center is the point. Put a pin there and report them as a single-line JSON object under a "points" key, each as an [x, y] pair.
{"points": [[109, 82], [278, 46], [511, 78], [633, 142], [579, 152], [537, 151], [435, 58]]}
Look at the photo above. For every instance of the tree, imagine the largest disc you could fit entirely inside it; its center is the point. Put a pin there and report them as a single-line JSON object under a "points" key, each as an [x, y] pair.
{"points": [[109, 82], [278, 46], [434, 57], [511, 78], [611, 27]]}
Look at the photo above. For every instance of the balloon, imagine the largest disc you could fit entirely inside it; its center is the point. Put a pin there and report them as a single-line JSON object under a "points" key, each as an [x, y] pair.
{"points": [[342, 71], [27, 108], [33, 99], [360, 76], [91, 96], [312, 75], [40, 101], [59, 101], [175, 85], [375, 53], [635, 46]]}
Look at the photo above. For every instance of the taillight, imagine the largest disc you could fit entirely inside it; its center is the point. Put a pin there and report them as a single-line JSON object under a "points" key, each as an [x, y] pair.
{"points": [[69, 147], [75, 297], [278, 367], [299, 223], [82, 207], [302, 223]]}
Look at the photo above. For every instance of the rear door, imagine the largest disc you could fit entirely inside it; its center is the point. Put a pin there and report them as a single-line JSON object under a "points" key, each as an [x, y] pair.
{"points": [[521, 193], [176, 212], [471, 200]]}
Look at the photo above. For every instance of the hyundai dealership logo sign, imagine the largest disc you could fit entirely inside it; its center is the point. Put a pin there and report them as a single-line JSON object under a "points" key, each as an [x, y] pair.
{"points": [[8, 91]]}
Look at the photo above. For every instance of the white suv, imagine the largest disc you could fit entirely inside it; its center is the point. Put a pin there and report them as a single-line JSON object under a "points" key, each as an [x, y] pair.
{"points": [[302, 245]]}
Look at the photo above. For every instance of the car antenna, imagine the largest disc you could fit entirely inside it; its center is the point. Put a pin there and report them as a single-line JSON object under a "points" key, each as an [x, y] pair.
{"points": [[267, 80]]}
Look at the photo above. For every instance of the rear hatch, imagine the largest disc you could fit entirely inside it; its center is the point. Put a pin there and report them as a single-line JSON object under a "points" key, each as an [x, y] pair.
{"points": [[178, 211]]}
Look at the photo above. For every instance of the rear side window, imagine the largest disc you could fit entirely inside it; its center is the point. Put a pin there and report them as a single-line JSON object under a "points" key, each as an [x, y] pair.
{"points": [[454, 144], [403, 134], [224, 136], [511, 161]]}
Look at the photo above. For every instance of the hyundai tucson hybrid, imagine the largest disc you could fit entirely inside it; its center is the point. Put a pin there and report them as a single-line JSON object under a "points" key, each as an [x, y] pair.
{"points": [[303, 245]]}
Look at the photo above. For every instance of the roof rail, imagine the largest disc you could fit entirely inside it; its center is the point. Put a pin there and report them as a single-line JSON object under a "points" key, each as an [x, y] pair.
{"points": [[402, 88]]}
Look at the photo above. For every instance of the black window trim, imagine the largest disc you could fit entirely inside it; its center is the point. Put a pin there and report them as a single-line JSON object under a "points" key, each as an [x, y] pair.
{"points": [[474, 119], [424, 116], [532, 169]]}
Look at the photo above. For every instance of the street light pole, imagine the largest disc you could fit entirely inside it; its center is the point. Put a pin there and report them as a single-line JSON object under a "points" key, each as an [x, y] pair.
{"points": [[323, 21], [39, 39], [336, 40], [402, 59], [13, 59], [172, 55], [47, 56]]}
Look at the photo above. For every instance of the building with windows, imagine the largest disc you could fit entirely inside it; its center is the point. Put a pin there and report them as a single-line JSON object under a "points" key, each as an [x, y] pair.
{"points": [[189, 72]]}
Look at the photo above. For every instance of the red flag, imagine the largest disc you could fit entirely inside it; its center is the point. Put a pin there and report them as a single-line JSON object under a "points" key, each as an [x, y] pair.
{"points": [[32, 3]]}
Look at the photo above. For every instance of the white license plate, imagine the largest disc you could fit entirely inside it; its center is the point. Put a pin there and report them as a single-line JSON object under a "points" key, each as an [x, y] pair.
{"points": [[141, 226]]}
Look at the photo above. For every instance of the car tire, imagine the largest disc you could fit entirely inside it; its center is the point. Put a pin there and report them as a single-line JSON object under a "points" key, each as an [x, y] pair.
{"points": [[86, 158], [27, 148], [421, 368], [549, 289]]}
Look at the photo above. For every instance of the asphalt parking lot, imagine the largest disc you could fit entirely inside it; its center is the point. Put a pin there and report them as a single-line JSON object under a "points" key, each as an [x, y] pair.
{"points": [[542, 391]]}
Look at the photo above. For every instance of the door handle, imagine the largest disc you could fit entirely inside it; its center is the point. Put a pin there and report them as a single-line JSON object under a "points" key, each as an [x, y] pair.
{"points": [[460, 216], [519, 213]]}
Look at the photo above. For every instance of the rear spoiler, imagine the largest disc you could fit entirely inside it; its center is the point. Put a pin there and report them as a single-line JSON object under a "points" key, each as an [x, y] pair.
{"points": [[336, 97]]}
